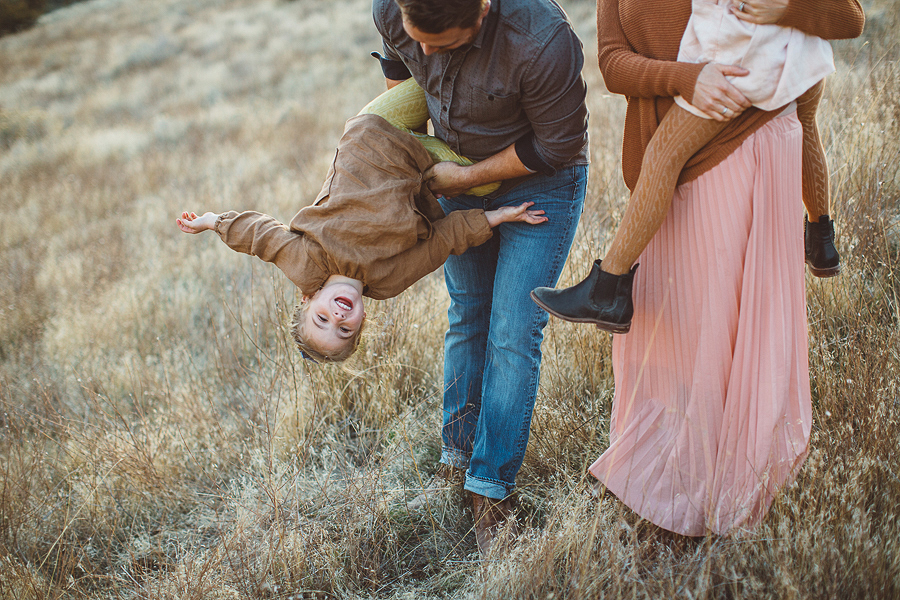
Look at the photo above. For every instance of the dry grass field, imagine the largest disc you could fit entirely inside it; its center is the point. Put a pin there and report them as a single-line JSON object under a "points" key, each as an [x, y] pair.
{"points": [[160, 438]]}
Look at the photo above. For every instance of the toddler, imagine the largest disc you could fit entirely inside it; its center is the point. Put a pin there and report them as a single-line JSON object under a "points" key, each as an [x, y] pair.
{"points": [[374, 229], [785, 66]]}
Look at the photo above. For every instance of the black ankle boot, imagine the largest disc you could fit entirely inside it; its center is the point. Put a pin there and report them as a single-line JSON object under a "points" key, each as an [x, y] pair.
{"points": [[602, 298], [818, 242]]}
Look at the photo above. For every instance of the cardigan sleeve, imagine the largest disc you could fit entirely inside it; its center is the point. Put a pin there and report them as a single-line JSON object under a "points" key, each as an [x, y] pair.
{"points": [[631, 74], [827, 19]]}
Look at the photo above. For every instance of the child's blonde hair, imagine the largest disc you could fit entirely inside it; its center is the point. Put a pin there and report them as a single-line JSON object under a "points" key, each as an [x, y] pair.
{"points": [[307, 347]]}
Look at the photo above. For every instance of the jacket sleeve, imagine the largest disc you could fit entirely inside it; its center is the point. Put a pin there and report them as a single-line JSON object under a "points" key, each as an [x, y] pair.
{"points": [[270, 240], [827, 19], [631, 74], [454, 234]]}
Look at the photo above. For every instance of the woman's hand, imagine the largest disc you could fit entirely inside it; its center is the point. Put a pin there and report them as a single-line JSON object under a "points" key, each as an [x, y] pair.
{"points": [[715, 96], [760, 12], [508, 214], [191, 223]]}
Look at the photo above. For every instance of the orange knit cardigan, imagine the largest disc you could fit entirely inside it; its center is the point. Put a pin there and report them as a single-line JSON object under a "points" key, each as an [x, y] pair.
{"points": [[638, 44]]}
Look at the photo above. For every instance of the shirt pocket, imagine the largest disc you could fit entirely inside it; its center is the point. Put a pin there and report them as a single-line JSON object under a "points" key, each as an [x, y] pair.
{"points": [[494, 107]]}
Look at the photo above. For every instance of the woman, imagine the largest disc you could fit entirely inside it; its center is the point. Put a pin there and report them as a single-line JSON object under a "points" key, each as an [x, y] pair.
{"points": [[712, 409]]}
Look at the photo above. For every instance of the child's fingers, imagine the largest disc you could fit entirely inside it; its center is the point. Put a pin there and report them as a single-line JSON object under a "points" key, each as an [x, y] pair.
{"points": [[524, 206], [733, 71], [185, 226], [535, 217]]}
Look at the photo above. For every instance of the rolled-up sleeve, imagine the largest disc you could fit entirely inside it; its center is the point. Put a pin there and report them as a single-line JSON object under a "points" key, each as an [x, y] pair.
{"points": [[554, 101], [391, 65], [391, 68]]}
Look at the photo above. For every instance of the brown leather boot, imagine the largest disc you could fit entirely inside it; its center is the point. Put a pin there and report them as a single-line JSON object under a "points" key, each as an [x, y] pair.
{"points": [[495, 521], [818, 242]]}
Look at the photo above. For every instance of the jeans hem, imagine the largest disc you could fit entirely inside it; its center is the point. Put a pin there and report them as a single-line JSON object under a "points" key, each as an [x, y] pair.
{"points": [[497, 490]]}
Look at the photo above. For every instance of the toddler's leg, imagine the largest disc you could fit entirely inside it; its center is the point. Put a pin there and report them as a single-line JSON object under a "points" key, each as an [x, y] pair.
{"points": [[816, 185], [818, 235], [679, 136], [404, 107], [604, 297]]}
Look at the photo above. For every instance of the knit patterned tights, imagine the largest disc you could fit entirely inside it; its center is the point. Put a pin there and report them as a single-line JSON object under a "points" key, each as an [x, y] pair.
{"points": [[679, 136], [404, 107]]}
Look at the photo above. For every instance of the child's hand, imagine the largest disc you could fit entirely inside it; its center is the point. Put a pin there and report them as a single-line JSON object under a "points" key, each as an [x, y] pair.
{"points": [[191, 223], [508, 214]]}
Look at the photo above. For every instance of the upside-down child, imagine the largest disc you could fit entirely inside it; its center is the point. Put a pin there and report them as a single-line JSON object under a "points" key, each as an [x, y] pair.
{"points": [[374, 229], [780, 66]]}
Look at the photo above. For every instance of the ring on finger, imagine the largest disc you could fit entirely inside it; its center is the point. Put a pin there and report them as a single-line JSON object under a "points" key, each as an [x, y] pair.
{"points": [[741, 7], [725, 112]]}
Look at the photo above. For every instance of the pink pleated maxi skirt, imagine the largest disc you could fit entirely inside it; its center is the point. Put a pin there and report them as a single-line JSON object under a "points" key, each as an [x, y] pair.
{"points": [[712, 412]]}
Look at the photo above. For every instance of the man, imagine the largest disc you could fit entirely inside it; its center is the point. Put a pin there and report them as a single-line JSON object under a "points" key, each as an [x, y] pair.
{"points": [[502, 79]]}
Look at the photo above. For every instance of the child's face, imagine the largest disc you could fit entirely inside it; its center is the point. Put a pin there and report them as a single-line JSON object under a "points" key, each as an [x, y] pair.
{"points": [[334, 316]]}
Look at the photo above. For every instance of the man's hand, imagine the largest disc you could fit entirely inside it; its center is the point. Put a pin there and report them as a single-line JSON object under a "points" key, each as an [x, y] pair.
{"points": [[450, 179], [715, 96], [508, 214], [760, 12], [447, 179], [191, 223]]}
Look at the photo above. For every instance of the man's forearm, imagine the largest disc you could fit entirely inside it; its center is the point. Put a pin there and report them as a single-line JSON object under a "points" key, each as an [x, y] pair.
{"points": [[451, 179], [503, 165]]}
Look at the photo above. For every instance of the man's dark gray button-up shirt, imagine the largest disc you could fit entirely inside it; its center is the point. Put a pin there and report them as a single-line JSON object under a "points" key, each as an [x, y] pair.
{"points": [[519, 82]]}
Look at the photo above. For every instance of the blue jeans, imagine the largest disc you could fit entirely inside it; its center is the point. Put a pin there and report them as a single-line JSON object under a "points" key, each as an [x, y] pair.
{"points": [[492, 350]]}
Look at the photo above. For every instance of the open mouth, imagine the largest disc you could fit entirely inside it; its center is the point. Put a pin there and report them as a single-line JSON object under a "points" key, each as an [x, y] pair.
{"points": [[344, 303]]}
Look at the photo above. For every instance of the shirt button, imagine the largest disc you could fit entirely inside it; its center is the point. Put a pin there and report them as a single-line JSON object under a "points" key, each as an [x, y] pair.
{"points": [[444, 108]]}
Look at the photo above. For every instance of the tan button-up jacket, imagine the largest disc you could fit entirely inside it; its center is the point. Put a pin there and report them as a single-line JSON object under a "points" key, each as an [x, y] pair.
{"points": [[375, 220]]}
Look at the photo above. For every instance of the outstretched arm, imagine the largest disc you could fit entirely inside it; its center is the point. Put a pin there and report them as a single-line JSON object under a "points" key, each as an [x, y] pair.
{"points": [[191, 223], [458, 231], [262, 236]]}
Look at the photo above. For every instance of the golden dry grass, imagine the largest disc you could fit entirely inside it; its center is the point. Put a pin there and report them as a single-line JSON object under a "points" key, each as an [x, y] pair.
{"points": [[161, 439]]}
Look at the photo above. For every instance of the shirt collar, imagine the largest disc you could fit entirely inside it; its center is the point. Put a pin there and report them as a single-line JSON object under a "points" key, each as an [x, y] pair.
{"points": [[488, 25]]}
